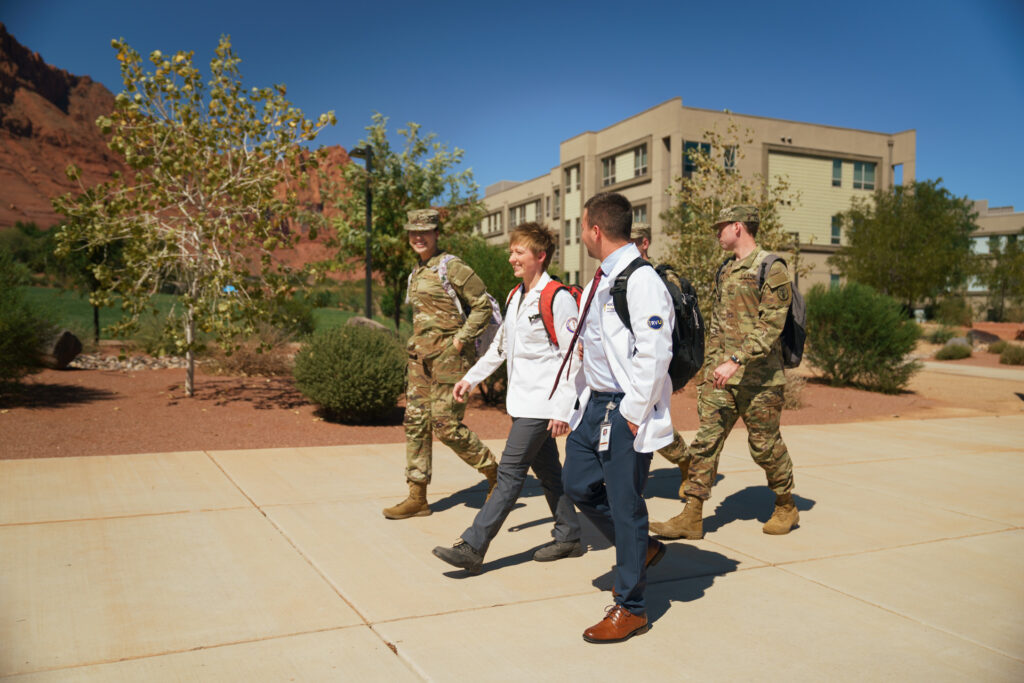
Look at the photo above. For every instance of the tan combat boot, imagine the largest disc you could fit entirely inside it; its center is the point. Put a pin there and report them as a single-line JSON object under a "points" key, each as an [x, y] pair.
{"points": [[687, 524], [491, 473], [413, 506], [684, 467], [784, 517]]}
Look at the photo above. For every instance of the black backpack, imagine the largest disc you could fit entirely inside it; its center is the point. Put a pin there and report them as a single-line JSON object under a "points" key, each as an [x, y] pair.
{"points": [[688, 331]]}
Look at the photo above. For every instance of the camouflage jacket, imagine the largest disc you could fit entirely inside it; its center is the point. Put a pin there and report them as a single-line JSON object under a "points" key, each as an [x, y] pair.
{"points": [[436, 322], [746, 322]]}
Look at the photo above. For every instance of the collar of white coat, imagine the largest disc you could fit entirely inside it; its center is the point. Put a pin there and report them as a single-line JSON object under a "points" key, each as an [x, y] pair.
{"points": [[617, 261]]}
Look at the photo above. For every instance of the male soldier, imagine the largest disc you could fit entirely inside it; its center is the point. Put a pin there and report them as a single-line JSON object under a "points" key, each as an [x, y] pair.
{"points": [[623, 409], [742, 376], [675, 452], [440, 349]]}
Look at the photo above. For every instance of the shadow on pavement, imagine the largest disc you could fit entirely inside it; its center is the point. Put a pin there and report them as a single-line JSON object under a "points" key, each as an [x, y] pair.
{"points": [[32, 395], [753, 502]]}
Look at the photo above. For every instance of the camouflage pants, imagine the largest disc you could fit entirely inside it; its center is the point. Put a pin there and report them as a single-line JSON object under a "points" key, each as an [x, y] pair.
{"points": [[430, 410], [676, 452], [761, 409]]}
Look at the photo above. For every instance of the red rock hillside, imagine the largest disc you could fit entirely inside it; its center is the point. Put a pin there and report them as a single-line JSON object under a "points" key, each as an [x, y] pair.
{"points": [[47, 120]]}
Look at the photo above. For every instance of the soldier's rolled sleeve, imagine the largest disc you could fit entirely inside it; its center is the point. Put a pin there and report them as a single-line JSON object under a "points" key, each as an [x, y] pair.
{"points": [[473, 292], [776, 295]]}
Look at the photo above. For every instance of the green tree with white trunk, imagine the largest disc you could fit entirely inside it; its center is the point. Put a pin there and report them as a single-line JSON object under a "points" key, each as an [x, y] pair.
{"points": [[210, 194]]}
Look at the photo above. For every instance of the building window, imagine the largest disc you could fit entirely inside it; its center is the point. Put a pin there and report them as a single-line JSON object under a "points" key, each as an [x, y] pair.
{"points": [[729, 158], [863, 176], [837, 223], [558, 204], [837, 173], [547, 206], [568, 231], [576, 278], [578, 228], [608, 171], [690, 152], [490, 224], [640, 214], [572, 179], [640, 161], [833, 280]]}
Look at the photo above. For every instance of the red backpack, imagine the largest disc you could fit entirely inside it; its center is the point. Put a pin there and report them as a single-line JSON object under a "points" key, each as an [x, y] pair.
{"points": [[547, 303]]}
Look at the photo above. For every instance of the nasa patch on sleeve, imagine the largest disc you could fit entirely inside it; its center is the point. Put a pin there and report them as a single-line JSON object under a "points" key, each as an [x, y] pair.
{"points": [[570, 324], [655, 322]]}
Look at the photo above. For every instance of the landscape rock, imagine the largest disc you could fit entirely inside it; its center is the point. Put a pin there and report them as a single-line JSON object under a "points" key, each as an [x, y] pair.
{"points": [[61, 350], [981, 337], [366, 322], [959, 341]]}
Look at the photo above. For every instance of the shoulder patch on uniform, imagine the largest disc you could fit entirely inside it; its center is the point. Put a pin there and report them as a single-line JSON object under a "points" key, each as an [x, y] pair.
{"points": [[777, 276], [459, 271], [570, 324], [655, 322]]}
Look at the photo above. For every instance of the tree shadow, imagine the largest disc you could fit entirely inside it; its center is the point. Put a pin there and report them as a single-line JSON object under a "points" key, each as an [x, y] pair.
{"points": [[393, 418], [45, 395], [751, 503]]}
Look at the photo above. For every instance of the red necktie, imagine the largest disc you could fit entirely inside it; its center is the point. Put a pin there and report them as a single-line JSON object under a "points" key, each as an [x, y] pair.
{"points": [[576, 334]]}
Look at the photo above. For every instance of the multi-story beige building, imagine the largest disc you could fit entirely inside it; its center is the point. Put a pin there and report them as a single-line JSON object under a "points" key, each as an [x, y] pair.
{"points": [[996, 225], [642, 156]]}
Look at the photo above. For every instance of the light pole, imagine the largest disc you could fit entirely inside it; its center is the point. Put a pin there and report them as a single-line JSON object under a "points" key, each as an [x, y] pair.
{"points": [[367, 154]]}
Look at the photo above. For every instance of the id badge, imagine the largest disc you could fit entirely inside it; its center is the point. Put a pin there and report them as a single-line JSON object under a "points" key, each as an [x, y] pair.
{"points": [[606, 436]]}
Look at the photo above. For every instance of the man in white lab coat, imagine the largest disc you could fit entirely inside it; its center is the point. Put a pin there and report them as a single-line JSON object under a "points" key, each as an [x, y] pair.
{"points": [[533, 357], [623, 410]]}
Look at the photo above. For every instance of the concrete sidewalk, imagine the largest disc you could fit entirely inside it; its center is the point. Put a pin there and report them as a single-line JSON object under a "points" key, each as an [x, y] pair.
{"points": [[277, 565], [1009, 373]]}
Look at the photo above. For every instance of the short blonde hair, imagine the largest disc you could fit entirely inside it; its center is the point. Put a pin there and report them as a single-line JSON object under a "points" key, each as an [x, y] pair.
{"points": [[535, 237]]}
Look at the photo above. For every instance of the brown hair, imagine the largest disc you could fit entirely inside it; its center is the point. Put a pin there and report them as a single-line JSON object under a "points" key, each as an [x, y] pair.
{"points": [[612, 212], [536, 237]]}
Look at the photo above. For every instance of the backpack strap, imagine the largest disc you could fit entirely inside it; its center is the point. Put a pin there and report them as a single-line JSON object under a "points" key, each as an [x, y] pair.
{"points": [[547, 308], [442, 273], [766, 264], [718, 275], [511, 294], [618, 290]]}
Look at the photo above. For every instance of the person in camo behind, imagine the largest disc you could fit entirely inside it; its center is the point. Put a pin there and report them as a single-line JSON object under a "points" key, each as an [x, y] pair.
{"points": [[742, 376], [675, 452], [441, 349], [533, 359]]}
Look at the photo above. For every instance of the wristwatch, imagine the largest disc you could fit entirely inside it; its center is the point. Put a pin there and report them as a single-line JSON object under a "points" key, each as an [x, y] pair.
{"points": [[734, 359]]}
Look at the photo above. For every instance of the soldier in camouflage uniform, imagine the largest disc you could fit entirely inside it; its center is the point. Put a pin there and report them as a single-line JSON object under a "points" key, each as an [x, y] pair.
{"points": [[675, 452], [441, 350], [742, 377]]}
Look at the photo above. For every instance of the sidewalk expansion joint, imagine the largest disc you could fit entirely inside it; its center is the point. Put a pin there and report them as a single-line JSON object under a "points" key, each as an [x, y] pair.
{"points": [[136, 515]]}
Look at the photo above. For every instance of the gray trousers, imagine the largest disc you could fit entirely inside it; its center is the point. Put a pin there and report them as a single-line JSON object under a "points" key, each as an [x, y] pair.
{"points": [[529, 445]]}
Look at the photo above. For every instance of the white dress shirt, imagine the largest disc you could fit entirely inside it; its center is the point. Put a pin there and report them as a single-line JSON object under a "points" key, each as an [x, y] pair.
{"points": [[532, 359], [636, 361]]}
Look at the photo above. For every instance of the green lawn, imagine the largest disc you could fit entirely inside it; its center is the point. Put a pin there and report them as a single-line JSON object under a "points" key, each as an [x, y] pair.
{"points": [[70, 310]]}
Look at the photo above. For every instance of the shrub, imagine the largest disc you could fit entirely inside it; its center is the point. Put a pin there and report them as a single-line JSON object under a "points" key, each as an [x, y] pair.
{"points": [[858, 336], [953, 352], [354, 373], [997, 346], [22, 331], [940, 335], [1012, 355], [954, 310]]}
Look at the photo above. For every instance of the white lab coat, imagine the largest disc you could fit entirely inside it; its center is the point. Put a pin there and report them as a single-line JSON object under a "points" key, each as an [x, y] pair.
{"points": [[639, 360], [532, 359]]}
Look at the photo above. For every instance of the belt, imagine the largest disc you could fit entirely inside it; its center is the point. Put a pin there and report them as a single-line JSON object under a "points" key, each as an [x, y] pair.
{"points": [[606, 395]]}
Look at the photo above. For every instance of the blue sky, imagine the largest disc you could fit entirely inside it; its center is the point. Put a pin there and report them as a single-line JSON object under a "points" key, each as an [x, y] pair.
{"points": [[507, 82]]}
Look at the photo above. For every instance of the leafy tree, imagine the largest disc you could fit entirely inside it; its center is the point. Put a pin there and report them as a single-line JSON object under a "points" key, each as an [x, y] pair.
{"points": [[713, 185], [1002, 273], [421, 175], [22, 331], [911, 242], [207, 199]]}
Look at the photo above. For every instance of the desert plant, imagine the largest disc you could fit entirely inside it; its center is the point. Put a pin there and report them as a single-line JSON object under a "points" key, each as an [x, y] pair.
{"points": [[954, 310], [953, 352], [1012, 355], [997, 346], [354, 373], [940, 335], [857, 336], [22, 330]]}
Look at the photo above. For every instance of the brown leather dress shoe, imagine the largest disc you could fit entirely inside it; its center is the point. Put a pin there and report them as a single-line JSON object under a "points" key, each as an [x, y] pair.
{"points": [[619, 624]]}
